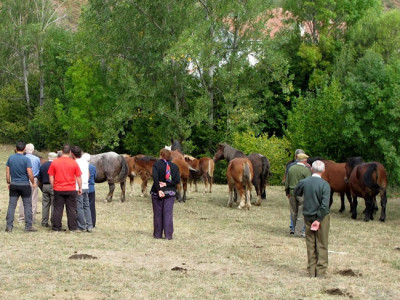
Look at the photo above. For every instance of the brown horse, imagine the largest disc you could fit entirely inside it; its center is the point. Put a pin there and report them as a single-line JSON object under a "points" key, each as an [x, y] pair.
{"points": [[140, 165], [205, 167], [367, 180], [184, 173], [240, 175], [259, 162]]}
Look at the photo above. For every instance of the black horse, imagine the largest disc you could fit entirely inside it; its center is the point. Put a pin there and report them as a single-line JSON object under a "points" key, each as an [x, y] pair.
{"points": [[261, 167], [113, 168]]}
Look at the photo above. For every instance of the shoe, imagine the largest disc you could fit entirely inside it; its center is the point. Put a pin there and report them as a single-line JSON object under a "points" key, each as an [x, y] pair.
{"points": [[45, 225], [76, 231], [89, 230], [291, 231], [8, 229], [30, 229]]}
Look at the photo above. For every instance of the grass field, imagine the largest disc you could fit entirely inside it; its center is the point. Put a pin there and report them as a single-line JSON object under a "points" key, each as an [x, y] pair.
{"points": [[217, 253]]}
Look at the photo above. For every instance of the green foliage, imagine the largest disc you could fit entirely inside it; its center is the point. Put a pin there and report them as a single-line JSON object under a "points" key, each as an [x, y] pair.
{"points": [[14, 116], [274, 148]]}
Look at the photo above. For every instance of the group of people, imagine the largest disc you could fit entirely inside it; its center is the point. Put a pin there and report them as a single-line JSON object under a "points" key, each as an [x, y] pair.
{"points": [[309, 197], [66, 179]]}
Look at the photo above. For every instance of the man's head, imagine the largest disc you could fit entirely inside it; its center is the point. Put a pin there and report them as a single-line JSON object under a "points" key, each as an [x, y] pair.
{"points": [[29, 148], [318, 166], [297, 152], [76, 151], [302, 157], [52, 156], [20, 146], [66, 150]]}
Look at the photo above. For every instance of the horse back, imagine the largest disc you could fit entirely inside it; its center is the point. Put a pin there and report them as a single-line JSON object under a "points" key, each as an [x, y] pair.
{"points": [[206, 165], [240, 170], [368, 179], [110, 167], [183, 168], [335, 174]]}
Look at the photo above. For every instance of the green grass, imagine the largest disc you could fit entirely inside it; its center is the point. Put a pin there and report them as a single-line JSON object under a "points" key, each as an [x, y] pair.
{"points": [[227, 253]]}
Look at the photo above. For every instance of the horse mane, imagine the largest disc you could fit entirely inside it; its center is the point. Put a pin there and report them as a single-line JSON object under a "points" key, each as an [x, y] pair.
{"points": [[189, 157], [146, 158], [354, 161], [231, 153]]}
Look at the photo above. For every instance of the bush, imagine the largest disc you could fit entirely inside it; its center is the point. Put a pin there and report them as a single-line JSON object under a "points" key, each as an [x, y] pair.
{"points": [[274, 148]]}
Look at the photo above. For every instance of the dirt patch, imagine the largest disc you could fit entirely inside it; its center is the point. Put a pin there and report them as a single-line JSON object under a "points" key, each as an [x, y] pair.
{"points": [[349, 272], [338, 292], [82, 256], [398, 248], [179, 269]]}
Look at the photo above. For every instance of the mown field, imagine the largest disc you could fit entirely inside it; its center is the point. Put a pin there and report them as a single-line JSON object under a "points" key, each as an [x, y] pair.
{"points": [[217, 253]]}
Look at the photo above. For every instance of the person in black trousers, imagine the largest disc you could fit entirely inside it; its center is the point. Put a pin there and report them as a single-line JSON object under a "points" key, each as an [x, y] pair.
{"points": [[165, 178]]}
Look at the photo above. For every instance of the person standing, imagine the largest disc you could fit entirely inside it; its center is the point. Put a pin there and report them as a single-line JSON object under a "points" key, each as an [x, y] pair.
{"points": [[29, 148], [316, 192], [47, 190], [64, 174], [19, 177], [84, 218], [92, 191], [165, 178], [296, 173]]}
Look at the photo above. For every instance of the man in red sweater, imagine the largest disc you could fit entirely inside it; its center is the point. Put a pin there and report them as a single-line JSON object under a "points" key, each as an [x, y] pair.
{"points": [[64, 173]]}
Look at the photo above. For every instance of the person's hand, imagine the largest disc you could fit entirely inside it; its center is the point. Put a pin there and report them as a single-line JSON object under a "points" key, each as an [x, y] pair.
{"points": [[8, 185], [288, 195], [79, 191], [161, 194], [315, 225], [162, 184]]}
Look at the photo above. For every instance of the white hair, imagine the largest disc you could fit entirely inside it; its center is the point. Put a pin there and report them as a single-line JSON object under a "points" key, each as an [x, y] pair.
{"points": [[29, 148], [318, 166], [86, 156]]}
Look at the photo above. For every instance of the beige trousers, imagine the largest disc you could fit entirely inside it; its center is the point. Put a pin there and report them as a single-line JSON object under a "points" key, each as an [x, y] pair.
{"points": [[34, 197]]}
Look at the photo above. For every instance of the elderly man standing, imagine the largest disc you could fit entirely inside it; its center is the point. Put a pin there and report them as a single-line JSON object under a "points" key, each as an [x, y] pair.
{"points": [[296, 173], [316, 192], [47, 190], [35, 161]]}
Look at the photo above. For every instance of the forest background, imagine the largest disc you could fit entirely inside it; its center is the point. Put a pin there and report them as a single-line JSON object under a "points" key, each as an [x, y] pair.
{"points": [[128, 76]]}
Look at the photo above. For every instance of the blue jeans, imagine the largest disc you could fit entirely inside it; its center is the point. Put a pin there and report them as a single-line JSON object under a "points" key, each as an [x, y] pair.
{"points": [[15, 192], [83, 215]]}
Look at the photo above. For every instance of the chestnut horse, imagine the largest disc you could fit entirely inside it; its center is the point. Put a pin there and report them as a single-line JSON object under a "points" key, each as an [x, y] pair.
{"points": [[111, 167], [184, 173], [367, 180], [240, 175], [259, 162], [205, 167], [140, 165]]}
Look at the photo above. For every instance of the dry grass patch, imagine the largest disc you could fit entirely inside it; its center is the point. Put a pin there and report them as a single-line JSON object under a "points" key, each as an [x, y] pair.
{"points": [[217, 252]]}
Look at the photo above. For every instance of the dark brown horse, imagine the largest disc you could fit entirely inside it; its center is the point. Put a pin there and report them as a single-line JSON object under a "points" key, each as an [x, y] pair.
{"points": [[240, 175], [259, 162], [113, 168], [367, 180], [205, 167]]}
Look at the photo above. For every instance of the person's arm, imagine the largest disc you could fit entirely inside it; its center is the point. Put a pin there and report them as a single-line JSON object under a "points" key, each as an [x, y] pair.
{"points": [[79, 181], [51, 179], [299, 189], [30, 175], [8, 177], [155, 178], [324, 208]]}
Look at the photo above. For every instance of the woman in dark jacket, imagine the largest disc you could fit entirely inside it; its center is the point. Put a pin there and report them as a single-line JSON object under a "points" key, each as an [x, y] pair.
{"points": [[165, 178]]}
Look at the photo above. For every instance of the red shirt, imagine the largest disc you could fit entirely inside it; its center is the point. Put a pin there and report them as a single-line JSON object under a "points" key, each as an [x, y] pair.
{"points": [[65, 170]]}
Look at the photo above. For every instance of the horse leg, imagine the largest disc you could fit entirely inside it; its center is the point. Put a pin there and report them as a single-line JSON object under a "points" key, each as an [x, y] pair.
{"points": [[205, 182], [258, 191], [342, 206], [144, 186], [230, 195], [131, 179], [210, 181], [348, 195], [241, 194], [184, 190], [123, 184], [331, 199], [248, 203], [354, 208], [178, 194], [368, 209], [383, 206], [111, 188]]}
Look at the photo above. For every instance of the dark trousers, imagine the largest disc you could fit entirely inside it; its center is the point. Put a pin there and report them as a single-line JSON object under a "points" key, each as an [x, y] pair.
{"points": [[15, 192], [67, 198], [92, 206], [162, 210]]}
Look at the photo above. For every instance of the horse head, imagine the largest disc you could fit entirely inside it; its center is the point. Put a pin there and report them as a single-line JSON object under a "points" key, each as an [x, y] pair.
{"points": [[220, 153]]}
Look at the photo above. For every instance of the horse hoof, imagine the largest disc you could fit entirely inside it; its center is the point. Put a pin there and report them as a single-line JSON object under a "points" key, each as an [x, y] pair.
{"points": [[382, 219], [366, 220]]}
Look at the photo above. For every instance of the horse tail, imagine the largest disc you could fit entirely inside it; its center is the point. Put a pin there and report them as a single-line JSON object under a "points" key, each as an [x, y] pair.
{"points": [[247, 174], [211, 168], [370, 180], [265, 169], [124, 169]]}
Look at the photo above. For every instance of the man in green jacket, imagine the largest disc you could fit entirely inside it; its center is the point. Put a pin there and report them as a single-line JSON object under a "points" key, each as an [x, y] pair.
{"points": [[295, 174], [316, 192]]}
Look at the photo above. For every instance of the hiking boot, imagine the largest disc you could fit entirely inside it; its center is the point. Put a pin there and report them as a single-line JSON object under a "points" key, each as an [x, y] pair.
{"points": [[30, 229]]}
